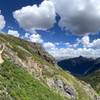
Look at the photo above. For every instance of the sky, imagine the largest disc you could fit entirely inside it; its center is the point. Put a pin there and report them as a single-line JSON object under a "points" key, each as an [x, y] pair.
{"points": [[65, 28]]}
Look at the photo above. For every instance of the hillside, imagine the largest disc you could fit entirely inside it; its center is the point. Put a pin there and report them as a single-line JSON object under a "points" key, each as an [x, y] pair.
{"points": [[27, 72], [93, 79], [17, 84], [86, 69]]}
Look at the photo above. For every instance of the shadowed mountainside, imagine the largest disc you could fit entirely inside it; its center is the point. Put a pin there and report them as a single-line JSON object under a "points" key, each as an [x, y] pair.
{"points": [[80, 65]]}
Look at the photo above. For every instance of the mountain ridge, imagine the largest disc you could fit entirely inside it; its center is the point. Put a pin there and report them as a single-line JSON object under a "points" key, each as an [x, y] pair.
{"points": [[79, 63]]}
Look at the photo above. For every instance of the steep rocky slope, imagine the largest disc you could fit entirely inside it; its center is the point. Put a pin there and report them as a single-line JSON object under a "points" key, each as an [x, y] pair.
{"points": [[28, 72]]}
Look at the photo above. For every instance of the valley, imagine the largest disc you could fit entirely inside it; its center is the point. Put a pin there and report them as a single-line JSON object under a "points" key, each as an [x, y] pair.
{"points": [[85, 69]]}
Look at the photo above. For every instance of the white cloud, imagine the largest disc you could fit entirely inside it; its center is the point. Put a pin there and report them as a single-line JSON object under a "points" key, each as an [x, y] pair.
{"points": [[34, 37], [80, 16], [2, 21], [14, 33], [70, 52], [49, 45], [74, 45], [35, 17], [95, 44], [85, 41], [26, 35]]}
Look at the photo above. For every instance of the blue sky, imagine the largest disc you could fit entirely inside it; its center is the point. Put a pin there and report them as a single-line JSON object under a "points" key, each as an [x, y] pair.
{"points": [[9, 6], [68, 28], [55, 34]]}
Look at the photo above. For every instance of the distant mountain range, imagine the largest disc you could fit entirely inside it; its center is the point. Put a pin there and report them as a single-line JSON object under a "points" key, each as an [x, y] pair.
{"points": [[80, 65]]}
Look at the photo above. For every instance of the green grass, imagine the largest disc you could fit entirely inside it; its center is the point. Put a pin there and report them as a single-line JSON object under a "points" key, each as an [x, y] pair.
{"points": [[19, 85], [33, 48], [93, 79], [81, 93]]}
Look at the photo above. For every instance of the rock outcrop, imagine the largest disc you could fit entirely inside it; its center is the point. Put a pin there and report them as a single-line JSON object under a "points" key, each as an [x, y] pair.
{"points": [[2, 47]]}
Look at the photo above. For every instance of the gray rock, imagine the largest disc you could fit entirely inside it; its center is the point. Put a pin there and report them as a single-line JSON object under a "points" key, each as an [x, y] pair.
{"points": [[64, 88]]}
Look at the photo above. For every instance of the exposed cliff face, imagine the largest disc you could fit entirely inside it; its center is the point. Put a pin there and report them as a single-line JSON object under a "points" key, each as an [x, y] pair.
{"points": [[42, 66]]}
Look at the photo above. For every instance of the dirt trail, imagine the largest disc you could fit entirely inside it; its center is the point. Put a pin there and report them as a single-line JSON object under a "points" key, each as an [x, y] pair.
{"points": [[2, 47]]}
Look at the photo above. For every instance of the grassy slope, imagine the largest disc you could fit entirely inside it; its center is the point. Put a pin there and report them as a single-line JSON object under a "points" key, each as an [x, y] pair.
{"points": [[94, 80], [20, 85], [26, 89], [82, 95]]}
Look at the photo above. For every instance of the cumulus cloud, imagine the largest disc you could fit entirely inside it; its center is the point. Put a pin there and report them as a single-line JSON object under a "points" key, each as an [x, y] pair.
{"points": [[59, 53], [70, 52], [85, 41], [34, 37], [35, 17], [14, 33], [95, 44], [80, 16], [74, 45], [2, 21], [49, 45]]}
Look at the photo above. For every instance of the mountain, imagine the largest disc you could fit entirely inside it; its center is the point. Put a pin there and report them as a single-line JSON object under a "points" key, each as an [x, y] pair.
{"points": [[86, 69], [80, 65], [28, 72]]}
